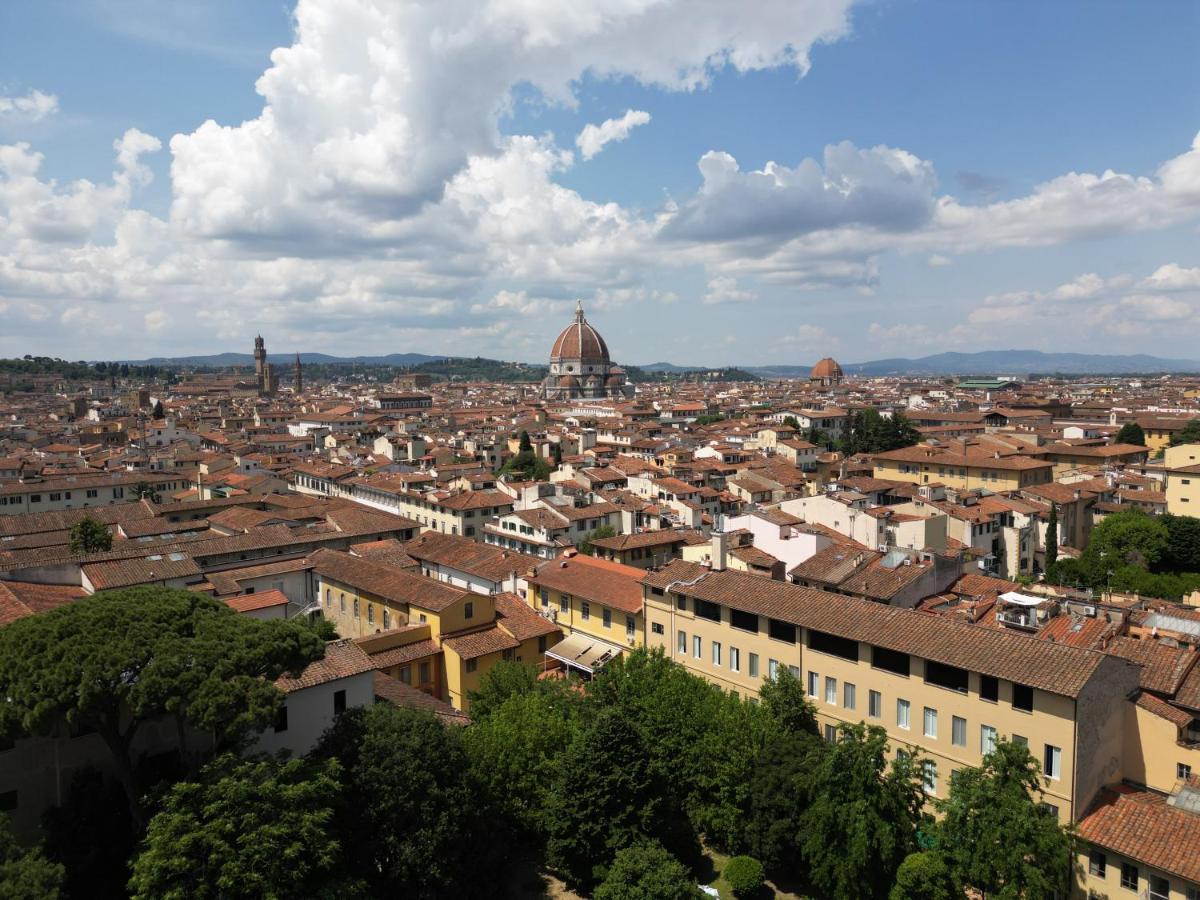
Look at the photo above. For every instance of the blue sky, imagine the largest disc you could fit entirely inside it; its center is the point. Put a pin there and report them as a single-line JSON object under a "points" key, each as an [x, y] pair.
{"points": [[436, 200]]}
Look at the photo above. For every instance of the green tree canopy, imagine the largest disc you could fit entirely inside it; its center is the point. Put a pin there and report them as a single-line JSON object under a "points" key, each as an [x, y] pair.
{"points": [[784, 698], [26, 874], [143, 490], [647, 872], [1131, 433], [925, 876], [863, 817], [1128, 538], [410, 816], [604, 531], [1183, 543], [607, 796], [516, 751], [1189, 434], [996, 836], [118, 659], [247, 828], [525, 445], [745, 876], [89, 536]]}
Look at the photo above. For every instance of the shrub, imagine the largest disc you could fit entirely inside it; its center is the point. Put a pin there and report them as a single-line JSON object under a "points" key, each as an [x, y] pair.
{"points": [[745, 876]]}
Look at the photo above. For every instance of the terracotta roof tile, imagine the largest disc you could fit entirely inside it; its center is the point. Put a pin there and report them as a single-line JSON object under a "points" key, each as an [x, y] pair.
{"points": [[1139, 824], [343, 659]]}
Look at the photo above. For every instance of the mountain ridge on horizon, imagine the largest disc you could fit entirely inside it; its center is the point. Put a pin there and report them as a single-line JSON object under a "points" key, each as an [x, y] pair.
{"points": [[997, 362]]}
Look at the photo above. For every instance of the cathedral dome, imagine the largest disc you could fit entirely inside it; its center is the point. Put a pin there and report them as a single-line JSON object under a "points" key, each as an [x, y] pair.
{"points": [[580, 341], [827, 368]]}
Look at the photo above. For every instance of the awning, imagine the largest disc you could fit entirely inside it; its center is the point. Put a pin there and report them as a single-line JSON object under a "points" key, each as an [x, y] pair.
{"points": [[584, 652], [1021, 599]]}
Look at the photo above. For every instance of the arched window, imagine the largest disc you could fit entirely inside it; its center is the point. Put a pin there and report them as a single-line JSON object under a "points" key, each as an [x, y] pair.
{"points": [[342, 601], [328, 598], [356, 607]]}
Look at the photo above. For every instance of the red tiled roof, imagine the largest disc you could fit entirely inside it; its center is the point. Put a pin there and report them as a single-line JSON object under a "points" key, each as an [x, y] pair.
{"points": [[251, 602], [343, 659], [1140, 825], [611, 584]]}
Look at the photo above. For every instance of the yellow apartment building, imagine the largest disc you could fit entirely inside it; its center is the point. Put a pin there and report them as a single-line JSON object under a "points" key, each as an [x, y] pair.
{"points": [[438, 638], [924, 464], [591, 600], [1182, 463], [947, 688]]}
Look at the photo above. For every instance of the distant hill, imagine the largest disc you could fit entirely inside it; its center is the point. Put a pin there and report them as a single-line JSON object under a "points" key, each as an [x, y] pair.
{"points": [[669, 367], [219, 360], [1000, 362]]}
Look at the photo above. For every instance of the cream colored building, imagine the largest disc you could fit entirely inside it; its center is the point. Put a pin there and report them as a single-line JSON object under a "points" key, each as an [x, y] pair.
{"points": [[1182, 465]]}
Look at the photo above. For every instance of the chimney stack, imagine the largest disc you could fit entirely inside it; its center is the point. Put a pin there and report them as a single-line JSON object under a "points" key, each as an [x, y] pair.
{"points": [[720, 550]]}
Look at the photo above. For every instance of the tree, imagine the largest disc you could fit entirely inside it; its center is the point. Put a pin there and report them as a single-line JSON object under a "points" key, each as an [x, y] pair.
{"points": [[92, 835], [499, 683], [140, 654], [925, 876], [411, 818], [89, 536], [780, 791], [647, 872], [606, 797], [1183, 544], [863, 817], [526, 445], [997, 836], [784, 698], [556, 453], [745, 876], [1189, 434], [1127, 538], [516, 751], [1052, 536], [247, 828], [604, 531], [792, 423], [1131, 433], [26, 873], [143, 490]]}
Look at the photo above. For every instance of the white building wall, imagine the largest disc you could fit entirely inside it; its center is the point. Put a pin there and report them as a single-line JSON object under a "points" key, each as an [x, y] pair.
{"points": [[310, 713]]}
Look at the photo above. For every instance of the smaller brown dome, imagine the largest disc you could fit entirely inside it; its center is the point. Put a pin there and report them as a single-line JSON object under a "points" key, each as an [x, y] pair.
{"points": [[827, 368], [568, 381]]}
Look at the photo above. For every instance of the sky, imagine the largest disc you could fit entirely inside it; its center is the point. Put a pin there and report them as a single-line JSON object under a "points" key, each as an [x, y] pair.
{"points": [[720, 183]]}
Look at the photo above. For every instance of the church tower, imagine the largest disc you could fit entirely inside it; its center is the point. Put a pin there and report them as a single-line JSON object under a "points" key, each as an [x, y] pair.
{"points": [[297, 378], [260, 358]]}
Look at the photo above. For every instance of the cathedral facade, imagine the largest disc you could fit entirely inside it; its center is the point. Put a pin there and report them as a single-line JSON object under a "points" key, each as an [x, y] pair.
{"points": [[580, 367]]}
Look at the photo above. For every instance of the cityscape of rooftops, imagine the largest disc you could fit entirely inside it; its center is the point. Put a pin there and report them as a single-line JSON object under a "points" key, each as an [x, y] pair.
{"points": [[634, 450]]}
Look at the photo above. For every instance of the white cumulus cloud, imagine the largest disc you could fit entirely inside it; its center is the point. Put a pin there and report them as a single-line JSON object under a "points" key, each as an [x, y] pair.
{"points": [[592, 138], [32, 107]]}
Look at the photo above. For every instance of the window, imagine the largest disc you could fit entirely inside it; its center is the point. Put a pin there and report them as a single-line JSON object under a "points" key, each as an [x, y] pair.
{"points": [[606, 614], [772, 668], [831, 691], [795, 670], [682, 637], [813, 680], [356, 607], [545, 597], [697, 646], [371, 613], [92, 492], [753, 665], [848, 695], [564, 603], [656, 628], [1129, 876], [585, 610], [989, 688], [902, 710], [874, 704], [387, 620], [958, 731], [889, 661], [1022, 697], [716, 653], [1160, 888], [930, 723], [1052, 762], [929, 776], [1020, 739], [631, 627], [328, 598], [1097, 863], [339, 702], [781, 631], [680, 601], [1183, 771], [831, 733], [743, 620], [987, 739], [471, 665], [706, 610], [406, 674], [423, 673], [37, 498], [469, 610], [281, 720], [735, 659], [833, 645], [950, 677]]}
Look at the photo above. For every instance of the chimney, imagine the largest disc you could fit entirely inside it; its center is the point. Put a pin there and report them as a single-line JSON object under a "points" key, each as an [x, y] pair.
{"points": [[720, 550]]}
